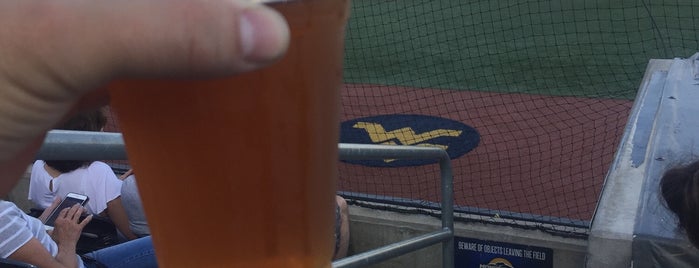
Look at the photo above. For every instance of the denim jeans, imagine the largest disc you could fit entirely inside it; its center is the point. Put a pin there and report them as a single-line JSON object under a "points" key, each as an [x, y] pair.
{"points": [[136, 253]]}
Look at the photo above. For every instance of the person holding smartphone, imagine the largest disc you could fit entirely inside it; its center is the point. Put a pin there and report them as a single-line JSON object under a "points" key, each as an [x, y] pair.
{"points": [[342, 231], [52, 178], [70, 200], [23, 238]]}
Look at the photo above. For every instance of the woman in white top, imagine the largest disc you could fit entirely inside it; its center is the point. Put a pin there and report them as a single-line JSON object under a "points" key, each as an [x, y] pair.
{"points": [[95, 179]]}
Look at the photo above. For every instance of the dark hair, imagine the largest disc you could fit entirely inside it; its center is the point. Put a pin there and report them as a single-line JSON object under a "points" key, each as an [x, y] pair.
{"points": [[87, 121], [680, 189]]}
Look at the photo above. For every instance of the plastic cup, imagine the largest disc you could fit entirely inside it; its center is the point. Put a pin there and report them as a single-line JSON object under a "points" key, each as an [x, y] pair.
{"points": [[241, 171]]}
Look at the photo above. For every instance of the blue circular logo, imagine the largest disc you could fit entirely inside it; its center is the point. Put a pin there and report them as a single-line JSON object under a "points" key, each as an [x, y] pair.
{"points": [[419, 130]]}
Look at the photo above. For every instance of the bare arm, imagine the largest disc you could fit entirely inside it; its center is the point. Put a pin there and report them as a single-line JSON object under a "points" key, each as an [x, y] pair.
{"points": [[126, 174], [117, 213], [66, 233], [344, 228], [34, 252], [45, 214]]}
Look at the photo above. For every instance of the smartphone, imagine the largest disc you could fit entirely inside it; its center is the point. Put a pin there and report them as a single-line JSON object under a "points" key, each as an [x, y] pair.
{"points": [[70, 200]]}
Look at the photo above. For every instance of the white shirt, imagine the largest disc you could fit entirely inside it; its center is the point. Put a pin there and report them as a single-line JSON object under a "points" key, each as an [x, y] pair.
{"points": [[97, 181]]}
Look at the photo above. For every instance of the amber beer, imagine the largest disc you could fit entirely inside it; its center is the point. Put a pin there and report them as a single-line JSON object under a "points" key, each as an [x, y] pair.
{"points": [[240, 171]]}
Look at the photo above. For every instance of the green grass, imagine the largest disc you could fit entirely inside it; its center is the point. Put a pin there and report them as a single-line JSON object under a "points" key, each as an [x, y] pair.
{"points": [[587, 48]]}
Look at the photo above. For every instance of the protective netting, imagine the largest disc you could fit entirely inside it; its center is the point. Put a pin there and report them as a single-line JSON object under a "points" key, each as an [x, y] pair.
{"points": [[548, 85]]}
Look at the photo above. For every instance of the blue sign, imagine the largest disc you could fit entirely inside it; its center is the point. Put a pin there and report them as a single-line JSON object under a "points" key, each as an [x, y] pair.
{"points": [[455, 137], [474, 253]]}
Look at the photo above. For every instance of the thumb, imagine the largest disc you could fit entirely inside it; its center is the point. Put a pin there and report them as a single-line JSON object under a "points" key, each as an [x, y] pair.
{"points": [[45, 214], [190, 37], [55, 202], [53, 52], [83, 42]]}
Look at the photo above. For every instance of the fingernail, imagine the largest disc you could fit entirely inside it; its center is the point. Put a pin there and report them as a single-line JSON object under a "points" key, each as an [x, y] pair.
{"points": [[264, 34]]}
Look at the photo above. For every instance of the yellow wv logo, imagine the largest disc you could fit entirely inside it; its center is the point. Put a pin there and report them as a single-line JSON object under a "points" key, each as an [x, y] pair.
{"points": [[404, 136]]}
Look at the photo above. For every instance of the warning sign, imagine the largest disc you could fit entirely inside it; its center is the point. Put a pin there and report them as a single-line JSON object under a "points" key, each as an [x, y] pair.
{"points": [[474, 253]]}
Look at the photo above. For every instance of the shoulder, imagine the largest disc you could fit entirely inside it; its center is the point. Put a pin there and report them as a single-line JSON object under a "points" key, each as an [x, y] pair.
{"points": [[102, 176], [129, 189], [7, 207], [18, 229], [99, 165], [130, 181], [10, 214], [38, 165]]}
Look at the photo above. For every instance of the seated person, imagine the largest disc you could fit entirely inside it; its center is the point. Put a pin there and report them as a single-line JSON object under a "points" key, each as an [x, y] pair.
{"points": [[342, 231], [679, 188], [139, 225], [24, 238], [95, 179], [132, 203]]}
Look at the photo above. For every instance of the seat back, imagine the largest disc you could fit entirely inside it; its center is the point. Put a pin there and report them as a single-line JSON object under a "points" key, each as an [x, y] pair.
{"points": [[7, 263]]}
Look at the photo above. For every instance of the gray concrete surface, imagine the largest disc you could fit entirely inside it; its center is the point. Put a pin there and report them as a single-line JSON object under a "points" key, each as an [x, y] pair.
{"points": [[372, 228], [657, 242], [631, 227], [612, 229], [18, 195]]}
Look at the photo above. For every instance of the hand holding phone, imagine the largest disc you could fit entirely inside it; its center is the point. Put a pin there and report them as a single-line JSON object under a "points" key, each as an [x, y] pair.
{"points": [[70, 200]]}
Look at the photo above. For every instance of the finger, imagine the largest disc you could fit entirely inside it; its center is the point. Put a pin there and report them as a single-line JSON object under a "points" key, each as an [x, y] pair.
{"points": [[85, 221], [74, 212], [55, 203], [214, 36], [54, 52], [64, 213], [45, 214], [124, 38]]}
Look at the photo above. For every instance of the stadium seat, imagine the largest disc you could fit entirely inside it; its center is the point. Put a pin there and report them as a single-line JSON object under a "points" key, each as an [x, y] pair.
{"points": [[7, 263]]}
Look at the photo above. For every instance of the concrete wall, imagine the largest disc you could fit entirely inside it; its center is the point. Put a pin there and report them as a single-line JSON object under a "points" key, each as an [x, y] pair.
{"points": [[372, 228], [19, 194], [612, 230]]}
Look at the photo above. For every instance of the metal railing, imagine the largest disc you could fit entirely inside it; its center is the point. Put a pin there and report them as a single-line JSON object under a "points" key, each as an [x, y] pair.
{"points": [[82, 145], [445, 235]]}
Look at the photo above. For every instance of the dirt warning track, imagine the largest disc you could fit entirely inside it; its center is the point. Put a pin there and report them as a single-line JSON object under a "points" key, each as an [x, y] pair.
{"points": [[544, 155]]}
